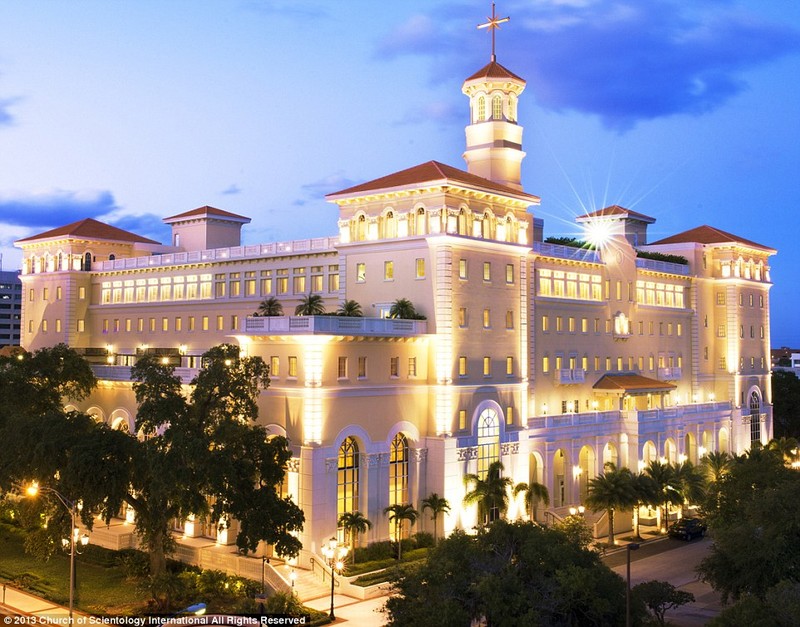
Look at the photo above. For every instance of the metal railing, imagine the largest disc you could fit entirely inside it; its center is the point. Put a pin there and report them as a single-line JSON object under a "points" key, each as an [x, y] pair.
{"points": [[334, 325]]}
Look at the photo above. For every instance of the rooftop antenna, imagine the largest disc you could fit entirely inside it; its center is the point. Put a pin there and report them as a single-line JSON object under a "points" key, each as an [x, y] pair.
{"points": [[493, 23]]}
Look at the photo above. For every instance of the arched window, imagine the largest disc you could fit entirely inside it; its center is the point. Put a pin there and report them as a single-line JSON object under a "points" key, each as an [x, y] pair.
{"points": [[420, 224], [59, 262], [488, 440], [398, 471], [112, 257], [481, 109], [512, 109], [347, 478], [755, 417], [462, 222], [87, 262], [390, 225], [361, 228], [497, 108]]}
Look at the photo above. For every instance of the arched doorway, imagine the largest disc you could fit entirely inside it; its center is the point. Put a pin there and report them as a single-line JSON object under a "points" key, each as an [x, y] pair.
{"points": [[587, 465], [755, 417], [559, 478]]}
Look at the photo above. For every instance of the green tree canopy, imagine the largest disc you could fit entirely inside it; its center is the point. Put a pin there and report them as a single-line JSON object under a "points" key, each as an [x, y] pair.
{"points": [[754, 518], [611, 491], [490, 493], [270, 306], [350, 309], [310, 305], [786, 399], [508, 574], [438, 505]]}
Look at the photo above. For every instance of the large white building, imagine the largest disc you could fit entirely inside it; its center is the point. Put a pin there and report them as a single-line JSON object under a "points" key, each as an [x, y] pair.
{"points": [[550, 358]]}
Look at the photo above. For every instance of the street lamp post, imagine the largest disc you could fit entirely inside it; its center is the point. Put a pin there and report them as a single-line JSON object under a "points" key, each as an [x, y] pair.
{"points": [[72, 508], [334, 554], [633, 546]]}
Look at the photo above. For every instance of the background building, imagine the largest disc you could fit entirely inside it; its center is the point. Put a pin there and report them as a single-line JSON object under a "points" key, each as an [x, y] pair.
{"points": [[10, 308]]}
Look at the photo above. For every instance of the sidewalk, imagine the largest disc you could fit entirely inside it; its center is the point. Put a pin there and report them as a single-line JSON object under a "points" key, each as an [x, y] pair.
{"points": [[13, 601], [355, 611]]}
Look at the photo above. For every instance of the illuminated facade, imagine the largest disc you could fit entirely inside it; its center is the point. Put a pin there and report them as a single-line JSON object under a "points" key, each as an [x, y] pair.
{"points": [[550, 358]]}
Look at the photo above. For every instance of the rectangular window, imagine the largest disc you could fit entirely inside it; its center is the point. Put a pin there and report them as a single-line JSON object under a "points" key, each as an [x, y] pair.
{"points": [[235, 289], [234, 322], [58, 292], [388, 270], [58, 325], [341, 371], [720, 298], [152, 326], [545, 364], [509, 273], [81, 293], [317, 281], [204, 323], [220, 323], [31, 294], [721, 330], [462, 419], [412, 366], [81, 325], [509, 415], [165, 324], [571, 323], [584, 325], [333, 282], [487, 270], [266, 286], [462, 268], [509, 319], [44, 326], [509, 365], [219, 290], [462, 366], [487, 318], [292, 367], [394, 367], [190, 324], [487, 366], [274, 366], [462, 317], [545, 323], [559, 324], [420, 268], [298, 285], [45, 293], [361, 272], [362, 367], [283, 285]]}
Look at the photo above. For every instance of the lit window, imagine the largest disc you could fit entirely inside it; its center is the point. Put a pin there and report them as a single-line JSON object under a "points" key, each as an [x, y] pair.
{"points": [[509, 365], [220, 323], [487, 270], [462, 419], [487, 366], [165, 324], [462, 268], [420, 268], [462, 316], [509, 273], [394, 367], [486, 318], [497, 108], [362, 367], [545, 323], [398, 470], [342, 369], [388, 270], [347, 477], [361, 272], [274, 366], [412, 366], [509, 319], [81, 325], [509, 415], [292, 366], [462, 366], [545, 364]]}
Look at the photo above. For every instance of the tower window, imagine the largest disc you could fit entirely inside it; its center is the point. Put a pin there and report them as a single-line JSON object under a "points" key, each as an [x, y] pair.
{"points": [[497, 108], [481, 109]]}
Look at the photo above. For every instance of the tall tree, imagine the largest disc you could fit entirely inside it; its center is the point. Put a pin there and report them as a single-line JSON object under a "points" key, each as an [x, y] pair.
{"points": [[310, 305], [611, 490], [785, 447], [350, 309], [491, 493], [645, 493], [438, 505], [354, 524], [663, 477], [689, 482], [786, 399], [508, 574], [535, 493], [399, 513], [270, 306]]}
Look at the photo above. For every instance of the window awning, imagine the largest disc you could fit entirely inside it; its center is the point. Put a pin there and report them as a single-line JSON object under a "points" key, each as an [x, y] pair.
{"points": [[631, 384]]}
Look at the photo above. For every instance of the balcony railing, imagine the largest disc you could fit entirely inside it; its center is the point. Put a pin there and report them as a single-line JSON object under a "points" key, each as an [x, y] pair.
{"points": [[669, 374], [334, 325], [566, 252], [662, 266], [123, 373], [568, 376], [318, 244]]}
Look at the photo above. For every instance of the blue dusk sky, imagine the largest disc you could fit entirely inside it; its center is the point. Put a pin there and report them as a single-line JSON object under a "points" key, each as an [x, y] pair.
{"points": [[129, 112]]}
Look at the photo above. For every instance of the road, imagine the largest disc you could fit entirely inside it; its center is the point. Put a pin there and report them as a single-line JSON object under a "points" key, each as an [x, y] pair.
{"points": [[674, 561]]}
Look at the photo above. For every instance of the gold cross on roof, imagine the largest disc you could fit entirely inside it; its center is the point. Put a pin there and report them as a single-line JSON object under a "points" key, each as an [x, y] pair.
{"points": [[493, 24]]}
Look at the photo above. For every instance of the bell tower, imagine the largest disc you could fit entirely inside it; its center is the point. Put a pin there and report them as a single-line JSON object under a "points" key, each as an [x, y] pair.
{"points": [[494, 139]]}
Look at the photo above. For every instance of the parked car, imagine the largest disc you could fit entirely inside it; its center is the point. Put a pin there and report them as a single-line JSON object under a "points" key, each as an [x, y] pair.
{"points": [[688, 528]]}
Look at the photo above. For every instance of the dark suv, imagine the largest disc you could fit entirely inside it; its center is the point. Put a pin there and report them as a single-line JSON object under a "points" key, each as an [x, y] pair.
{"points": [[687, 528]]}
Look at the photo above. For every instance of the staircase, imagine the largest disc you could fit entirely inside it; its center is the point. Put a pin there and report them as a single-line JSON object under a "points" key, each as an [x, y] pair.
{"points": [[307, 585]]}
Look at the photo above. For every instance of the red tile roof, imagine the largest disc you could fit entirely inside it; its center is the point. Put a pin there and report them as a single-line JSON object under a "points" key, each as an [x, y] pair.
{"points": [[631, 383], [206, 210], [494, 70], [432, 172], [709, 235], [616, 210], [89, 228]]}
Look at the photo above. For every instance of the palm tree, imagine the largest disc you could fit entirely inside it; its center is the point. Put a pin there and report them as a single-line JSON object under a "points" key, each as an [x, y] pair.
{"points": [[350, 309], [785, 447], [491, 493], [354, 524], [403, 308], [716, 464], [663, 476], [270, 307], [310, 305], [644, 490], [534, 494], [398, 513], [438, 505], [611, 490], [689, 482]]}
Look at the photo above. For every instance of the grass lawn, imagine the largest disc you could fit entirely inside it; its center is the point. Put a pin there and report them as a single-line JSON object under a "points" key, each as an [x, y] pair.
{"points": [[100, 590]]}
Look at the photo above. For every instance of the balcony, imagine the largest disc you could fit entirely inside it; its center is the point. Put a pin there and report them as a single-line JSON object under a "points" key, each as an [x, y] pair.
{"points": [[123, 373], [662, 266], [560, 251], [334, 325], [570, 376], [669, 374]]}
